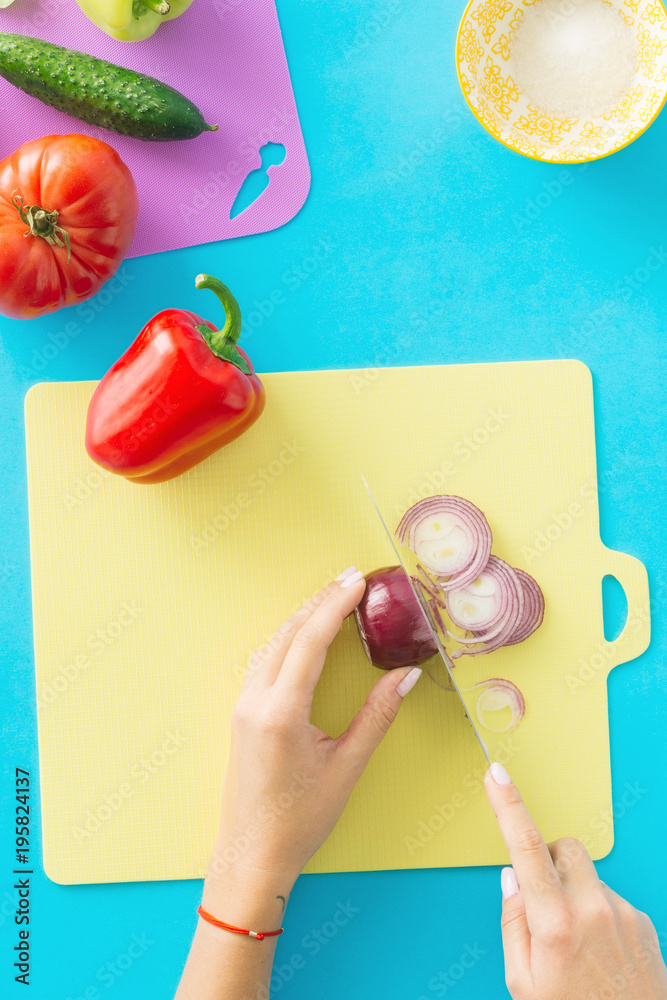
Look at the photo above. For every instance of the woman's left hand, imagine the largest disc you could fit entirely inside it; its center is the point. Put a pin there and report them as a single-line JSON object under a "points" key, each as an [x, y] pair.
{"points": [[287, 782]]}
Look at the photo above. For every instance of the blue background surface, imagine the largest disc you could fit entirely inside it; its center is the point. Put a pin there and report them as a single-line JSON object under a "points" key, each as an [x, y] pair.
{"points": [[425, 224]]}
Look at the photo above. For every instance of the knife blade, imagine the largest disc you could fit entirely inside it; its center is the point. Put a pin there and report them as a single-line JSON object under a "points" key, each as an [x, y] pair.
{"points": [[428, 618]]}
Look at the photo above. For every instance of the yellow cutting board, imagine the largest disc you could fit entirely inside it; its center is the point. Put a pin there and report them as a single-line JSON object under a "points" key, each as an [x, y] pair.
{"points": [[148, 601]]}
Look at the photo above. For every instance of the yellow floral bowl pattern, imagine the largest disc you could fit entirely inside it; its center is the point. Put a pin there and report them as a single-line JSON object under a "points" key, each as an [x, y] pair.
{"points": [[484, 66]]}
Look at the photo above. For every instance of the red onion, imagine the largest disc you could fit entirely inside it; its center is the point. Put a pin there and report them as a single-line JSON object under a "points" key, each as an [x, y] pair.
{"points": [[391, 623], [450, 536], [495, 695], [494, 604]]}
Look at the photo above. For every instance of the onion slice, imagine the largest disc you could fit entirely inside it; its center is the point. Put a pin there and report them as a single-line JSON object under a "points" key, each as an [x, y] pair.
{"points": [[450, 537], [428, 586], [495, 695], [437, 617], [493, 604], [533, 608], [492, 609]]}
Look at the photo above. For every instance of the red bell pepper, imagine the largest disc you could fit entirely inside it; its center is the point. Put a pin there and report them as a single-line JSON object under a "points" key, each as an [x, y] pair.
{"points": [[181, 391]]}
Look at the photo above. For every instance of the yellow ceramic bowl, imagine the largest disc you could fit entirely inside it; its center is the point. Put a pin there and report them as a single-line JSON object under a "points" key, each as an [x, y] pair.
{"points": [[483, 52]]}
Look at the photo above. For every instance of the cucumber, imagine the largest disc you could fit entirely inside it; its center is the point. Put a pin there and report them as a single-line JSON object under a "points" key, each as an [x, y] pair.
{"points": [[99, 92]]}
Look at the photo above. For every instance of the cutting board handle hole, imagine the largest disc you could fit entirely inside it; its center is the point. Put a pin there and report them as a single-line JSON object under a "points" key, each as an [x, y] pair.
{"points": [[256, 182], [614, 607]]}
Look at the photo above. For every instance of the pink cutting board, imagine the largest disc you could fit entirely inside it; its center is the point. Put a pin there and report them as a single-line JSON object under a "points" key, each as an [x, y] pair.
{"points": [[228, 57]]}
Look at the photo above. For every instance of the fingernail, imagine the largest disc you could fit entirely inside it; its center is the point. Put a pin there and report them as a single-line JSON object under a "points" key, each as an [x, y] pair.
{"points": [[346, 572], [508, 883], [408, 682], [500, 775], [349, 581]]}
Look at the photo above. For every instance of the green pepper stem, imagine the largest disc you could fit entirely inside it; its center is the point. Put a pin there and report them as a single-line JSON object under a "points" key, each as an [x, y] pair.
{"points": [[159, 6], [223, 342], [232, 329]]}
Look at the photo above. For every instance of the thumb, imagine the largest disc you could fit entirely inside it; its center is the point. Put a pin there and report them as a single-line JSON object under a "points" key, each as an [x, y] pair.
{"points": [[373, 720], [516, 935]]}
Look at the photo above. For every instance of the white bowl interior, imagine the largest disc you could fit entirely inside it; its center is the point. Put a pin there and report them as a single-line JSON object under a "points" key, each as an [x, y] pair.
{"points": [[485, 72]]}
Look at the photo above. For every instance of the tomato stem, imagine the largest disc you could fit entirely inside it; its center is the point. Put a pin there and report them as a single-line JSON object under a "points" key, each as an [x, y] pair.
{"points": [[42, 223]]}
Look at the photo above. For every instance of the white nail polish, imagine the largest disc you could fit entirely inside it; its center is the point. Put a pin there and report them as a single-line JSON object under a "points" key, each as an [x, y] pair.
{"points": [[500, 775], [508, 883], [350, 581], [408, 682], [345, 573]]}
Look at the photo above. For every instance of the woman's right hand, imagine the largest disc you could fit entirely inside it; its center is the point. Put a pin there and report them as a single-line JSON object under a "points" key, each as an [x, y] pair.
{"points": [[566, 935]]}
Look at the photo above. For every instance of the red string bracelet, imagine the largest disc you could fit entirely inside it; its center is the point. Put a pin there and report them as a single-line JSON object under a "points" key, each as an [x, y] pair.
{"points": [[259, 935]]}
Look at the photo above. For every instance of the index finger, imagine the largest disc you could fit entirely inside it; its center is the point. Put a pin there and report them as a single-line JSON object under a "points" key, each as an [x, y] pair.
{"points": [[538, 879], [266, 661], [305, 657]]}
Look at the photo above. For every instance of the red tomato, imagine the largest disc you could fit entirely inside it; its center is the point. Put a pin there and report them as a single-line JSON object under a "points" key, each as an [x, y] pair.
{"points": [[86, 191]]}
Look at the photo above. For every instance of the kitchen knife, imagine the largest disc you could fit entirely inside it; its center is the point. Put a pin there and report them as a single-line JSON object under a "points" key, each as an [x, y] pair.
{"points": [[431, 625]]}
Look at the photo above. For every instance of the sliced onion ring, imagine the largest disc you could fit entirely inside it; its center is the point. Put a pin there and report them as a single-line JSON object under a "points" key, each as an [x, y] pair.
{"points": [[493, 604], [533, 615], [496, 694], [506, 615], [450, 536]]}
